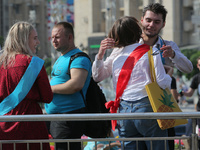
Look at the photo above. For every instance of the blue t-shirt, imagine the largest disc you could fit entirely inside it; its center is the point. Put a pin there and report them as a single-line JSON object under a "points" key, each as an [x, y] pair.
{"points": [[62, 103]]}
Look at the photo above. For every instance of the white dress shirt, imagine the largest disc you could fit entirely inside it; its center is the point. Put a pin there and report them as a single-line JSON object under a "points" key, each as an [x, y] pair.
{"points": [[103, 69], [180, 61], [140, 75]]}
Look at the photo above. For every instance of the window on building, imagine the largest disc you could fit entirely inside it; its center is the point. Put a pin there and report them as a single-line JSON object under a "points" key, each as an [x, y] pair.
{"points": [[140, 2], [103, 16], [103, 21], [16, 8], [121, 3], [103, 4]]}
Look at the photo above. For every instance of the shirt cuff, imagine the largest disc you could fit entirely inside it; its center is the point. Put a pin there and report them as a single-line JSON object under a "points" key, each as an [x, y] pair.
{"points": [[176, 57], [98, 62]]}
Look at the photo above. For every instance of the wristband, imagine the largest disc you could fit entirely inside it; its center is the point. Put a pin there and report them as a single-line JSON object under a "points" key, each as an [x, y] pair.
{"points": [[181, 93]]}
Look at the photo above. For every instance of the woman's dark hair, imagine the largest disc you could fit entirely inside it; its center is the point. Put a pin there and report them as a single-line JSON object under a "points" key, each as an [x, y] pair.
{"points": [[125, 31], [156, 8]]}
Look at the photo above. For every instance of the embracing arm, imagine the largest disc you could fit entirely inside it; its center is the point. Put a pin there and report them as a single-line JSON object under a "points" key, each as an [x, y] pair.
{"points": [[73, 85]]}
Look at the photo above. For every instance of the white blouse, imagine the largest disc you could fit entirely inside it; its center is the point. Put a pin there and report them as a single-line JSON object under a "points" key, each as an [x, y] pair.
{"points": [[103, 69], [140, 76]]}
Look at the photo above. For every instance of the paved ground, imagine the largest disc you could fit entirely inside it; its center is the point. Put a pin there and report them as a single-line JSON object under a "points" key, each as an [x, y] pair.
{"points": [[190, 107]]}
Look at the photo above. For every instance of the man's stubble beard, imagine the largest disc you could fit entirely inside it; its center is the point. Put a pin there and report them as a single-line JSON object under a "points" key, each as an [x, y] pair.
{"points": [[151, 35], [61, 49]]}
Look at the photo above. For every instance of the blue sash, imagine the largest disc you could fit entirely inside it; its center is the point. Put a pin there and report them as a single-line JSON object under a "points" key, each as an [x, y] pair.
{"points": [[23, 87]]}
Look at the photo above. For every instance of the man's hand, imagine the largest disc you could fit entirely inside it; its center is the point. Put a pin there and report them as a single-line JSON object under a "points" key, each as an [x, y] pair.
{"points": [[167, 51]]}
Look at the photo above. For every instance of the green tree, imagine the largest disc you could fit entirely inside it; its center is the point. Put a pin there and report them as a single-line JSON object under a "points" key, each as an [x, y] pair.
{"points": [[47, 65], [192, 55]]}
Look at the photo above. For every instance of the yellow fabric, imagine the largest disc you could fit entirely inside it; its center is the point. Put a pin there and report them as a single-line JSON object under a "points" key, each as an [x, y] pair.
{"points": [[162, 100]]}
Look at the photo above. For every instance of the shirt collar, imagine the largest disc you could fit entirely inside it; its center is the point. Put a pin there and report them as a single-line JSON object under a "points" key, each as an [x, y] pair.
{"points": [[141, 41]]}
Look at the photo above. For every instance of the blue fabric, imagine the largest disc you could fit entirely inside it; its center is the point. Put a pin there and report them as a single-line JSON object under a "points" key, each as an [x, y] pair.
{"points": [[91, 145], [62, 103], [161, 45], [140, 127], [23, 87]]}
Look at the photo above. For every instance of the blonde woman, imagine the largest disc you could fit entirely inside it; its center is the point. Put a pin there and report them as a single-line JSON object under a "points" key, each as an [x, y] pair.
{"points": [[23, 83]]}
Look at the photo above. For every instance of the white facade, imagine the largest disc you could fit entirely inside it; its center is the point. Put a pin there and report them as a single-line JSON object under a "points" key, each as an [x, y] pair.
{"points": [[92, 18]]}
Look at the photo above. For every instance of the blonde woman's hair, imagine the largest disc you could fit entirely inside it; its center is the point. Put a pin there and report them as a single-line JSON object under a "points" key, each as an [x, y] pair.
{"points": [[17, 42]]}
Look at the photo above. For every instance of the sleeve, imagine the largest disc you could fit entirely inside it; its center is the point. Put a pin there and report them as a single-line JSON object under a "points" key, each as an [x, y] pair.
{"points": [[103, 69], [173, 84], [180, 61], [44, 87], [81, 62], [195, 82], [163, 79]]}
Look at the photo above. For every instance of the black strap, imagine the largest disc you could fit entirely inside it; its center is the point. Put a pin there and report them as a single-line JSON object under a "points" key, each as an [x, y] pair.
{"points": [[68, 71], [75, 56]]}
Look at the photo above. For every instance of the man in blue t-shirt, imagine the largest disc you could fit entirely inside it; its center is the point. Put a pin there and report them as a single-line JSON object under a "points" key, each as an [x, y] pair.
{"points": [[67, 98]]}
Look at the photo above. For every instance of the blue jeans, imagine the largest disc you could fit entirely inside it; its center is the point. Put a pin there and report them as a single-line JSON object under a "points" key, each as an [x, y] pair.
{"points": [[140, 127]]}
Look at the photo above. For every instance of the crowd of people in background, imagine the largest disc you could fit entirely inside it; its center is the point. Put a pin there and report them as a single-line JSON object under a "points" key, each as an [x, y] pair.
{"points": [[62, 94]]}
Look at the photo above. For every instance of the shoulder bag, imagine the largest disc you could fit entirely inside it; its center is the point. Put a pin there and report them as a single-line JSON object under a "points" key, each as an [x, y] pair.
{"points": [[161, 99]]}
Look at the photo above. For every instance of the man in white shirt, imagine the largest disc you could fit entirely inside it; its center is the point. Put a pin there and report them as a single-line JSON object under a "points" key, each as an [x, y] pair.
{"points": [[153, 21]]}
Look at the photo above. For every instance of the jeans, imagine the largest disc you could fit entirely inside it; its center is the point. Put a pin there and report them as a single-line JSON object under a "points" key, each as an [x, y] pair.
{"points": [[140, 127]]}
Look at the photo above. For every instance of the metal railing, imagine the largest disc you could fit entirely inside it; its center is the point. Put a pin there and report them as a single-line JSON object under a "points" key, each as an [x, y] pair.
{"points": [[119, 116]]}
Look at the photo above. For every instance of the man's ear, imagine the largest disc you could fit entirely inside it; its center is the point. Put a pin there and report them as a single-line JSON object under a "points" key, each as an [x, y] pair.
{"points": [[163, 24], [71, 37]]}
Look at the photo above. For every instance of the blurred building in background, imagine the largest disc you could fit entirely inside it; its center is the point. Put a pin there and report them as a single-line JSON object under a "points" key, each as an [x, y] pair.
{"points": [[43, 14], [58, 10], [33, 11], [93, 19], [4, 25]]}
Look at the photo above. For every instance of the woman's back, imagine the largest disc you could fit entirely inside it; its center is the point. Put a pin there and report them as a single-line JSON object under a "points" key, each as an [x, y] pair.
{"points": [[40, 92], [140, 75]]}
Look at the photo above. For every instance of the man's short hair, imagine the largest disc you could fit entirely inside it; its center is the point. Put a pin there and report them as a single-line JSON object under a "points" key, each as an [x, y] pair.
{"points": [[156, 8], [67, 26]]}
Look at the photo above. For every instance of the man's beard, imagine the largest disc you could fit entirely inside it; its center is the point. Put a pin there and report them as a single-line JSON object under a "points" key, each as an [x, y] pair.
{"points": [[149, 34], [61, 49]]}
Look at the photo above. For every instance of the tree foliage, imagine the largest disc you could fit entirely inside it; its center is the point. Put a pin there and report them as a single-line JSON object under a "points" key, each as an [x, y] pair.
{"points": [[192, 55], [47, 65]]}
